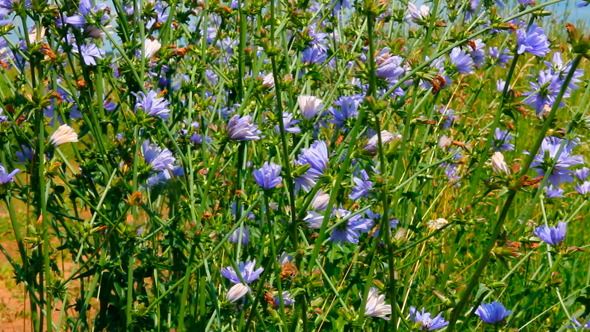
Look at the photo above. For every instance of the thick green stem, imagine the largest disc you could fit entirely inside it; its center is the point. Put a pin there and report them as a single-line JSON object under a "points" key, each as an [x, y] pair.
{"points": [[43, 217]]}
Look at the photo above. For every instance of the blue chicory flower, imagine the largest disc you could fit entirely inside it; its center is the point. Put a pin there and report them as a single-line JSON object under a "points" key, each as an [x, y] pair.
{"points": [[582, 326], [545, 91], [427, 322], [582, 173], [84, 10], [462, 61], [492, 313], [7, 177], [583, 188], [3, 118], [502, 140], [152, 105], [319, 39], [268, 176], [161, 15], [452, 172], [375, 306], [501, 58], [376, 217], [533, 41], [26, 154], [287, 299], [553, 192], [164, 176], [310, 106], [448, 116], [500, 85], [372, 145], [560, 69], [388, 66], [313, 55], [478, 53], [160, 159], [289, 124], [363, 186], [242, 129], [349, 231], [90, 53], [246, 270], [548, 156], [235, 236], [552, 235], [316, 156], [347, 107], [417, 15]]}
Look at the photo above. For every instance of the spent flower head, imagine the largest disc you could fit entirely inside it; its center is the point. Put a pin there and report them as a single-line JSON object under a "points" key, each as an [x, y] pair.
{"points": [[63, 134], [309, 106], [375, 305]]}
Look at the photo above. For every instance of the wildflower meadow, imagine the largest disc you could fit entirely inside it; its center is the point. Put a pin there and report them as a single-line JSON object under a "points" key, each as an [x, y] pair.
{"points": [[295, 165]]}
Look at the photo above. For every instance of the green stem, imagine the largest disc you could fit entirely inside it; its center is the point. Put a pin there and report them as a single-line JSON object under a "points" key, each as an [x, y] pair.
{"points": [[185, 287], [241, 46], [489, 139], [431, 24], [283, 134], [42, 207], [273, 250], [384, 227], [129, 306], [25, 260], [205, 199]]}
